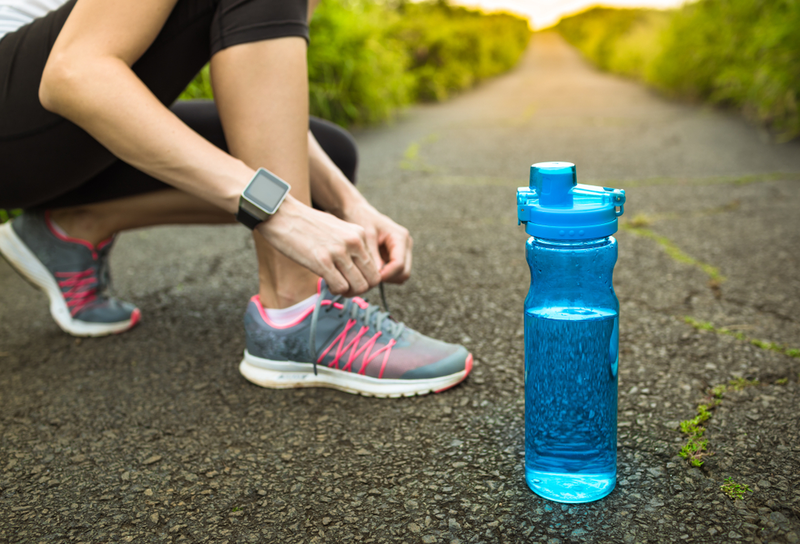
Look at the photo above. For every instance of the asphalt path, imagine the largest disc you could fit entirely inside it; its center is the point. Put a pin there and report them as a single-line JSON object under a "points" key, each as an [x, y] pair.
{"points": [[153, 436]]}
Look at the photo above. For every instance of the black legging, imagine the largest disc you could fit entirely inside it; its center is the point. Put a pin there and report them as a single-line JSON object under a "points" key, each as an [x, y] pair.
{"points": [[49, 162], [120, 179]]}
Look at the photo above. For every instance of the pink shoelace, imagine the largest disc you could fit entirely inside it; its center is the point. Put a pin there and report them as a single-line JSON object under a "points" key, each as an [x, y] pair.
{"points": [[358, 310], [81, 288], [355, 351]]}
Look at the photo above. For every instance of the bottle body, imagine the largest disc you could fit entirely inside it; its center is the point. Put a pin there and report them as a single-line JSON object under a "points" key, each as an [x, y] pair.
{"points": [[571, 363]]}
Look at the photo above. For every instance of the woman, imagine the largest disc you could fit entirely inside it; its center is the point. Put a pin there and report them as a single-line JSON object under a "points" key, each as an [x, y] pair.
{"points": [[89, 148]]}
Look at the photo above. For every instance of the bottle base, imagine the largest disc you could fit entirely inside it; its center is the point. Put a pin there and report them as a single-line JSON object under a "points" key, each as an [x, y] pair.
{"points": [[570, 488]]}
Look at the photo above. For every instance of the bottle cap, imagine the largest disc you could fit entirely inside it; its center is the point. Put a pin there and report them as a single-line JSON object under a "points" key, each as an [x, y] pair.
{"points": [[557, 207]]}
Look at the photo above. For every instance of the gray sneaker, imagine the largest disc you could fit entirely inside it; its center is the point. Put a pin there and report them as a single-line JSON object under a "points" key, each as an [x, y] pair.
{"points": [[73, 273], [350, 345]]}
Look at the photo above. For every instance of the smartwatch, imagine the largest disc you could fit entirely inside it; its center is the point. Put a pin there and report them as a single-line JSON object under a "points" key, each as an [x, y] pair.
{"points": [[261, 198]]}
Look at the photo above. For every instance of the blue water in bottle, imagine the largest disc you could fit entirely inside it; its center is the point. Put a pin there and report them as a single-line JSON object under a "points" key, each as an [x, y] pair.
{"points": [[571, 335]]}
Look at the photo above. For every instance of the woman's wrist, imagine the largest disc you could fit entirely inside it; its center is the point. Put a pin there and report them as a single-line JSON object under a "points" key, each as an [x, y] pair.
{"points": [[238, 178], [281, 219], [336, 195], [349, 202]]}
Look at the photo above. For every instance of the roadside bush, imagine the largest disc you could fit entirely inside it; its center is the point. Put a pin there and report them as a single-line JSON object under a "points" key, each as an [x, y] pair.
{"points": [[739, 53], [742, 53], [623, 41], [200, 87], [366, 60], [452, 48], [356, 68]]}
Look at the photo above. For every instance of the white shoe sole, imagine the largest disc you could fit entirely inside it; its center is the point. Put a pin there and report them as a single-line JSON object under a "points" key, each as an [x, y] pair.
{"points": [[25, 262], [287, 374]]}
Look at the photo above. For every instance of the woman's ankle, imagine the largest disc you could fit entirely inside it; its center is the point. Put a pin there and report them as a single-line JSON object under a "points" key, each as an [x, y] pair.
{"points": [[82, 223], [286, 294]]}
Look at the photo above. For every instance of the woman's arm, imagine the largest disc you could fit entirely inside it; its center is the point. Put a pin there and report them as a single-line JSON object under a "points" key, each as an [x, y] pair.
{"points": [[88, 79]]}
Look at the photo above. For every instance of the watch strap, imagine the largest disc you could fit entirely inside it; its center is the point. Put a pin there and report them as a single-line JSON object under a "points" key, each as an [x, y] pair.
{"points": [[247, 219]]}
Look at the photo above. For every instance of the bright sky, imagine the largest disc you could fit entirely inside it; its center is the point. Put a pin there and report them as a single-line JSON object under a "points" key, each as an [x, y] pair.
{"points": [[544, 13]]}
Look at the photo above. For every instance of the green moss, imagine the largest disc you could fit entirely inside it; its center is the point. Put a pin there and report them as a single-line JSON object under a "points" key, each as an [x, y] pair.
{"points": [[411, 159], [733, 490], [676, 253], [763, 344], [696, 447]]}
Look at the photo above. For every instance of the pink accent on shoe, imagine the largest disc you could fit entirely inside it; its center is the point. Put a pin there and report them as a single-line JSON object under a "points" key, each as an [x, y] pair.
{"points": [[105, 242], [364, 351], [79, 294], [368, 358], [467, 370], [263, 313], [136, 315], [340, 339], [388, 347], [363, 304], [64, 238]]}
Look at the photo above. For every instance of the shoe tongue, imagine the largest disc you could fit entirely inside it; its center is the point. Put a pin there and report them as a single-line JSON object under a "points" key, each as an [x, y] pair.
{"points": [[387, 324]]}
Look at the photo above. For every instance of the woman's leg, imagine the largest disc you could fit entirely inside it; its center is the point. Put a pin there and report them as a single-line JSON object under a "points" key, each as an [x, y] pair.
{"points": [[97, 222], [74, 158], [241, 75], [81, 215]]}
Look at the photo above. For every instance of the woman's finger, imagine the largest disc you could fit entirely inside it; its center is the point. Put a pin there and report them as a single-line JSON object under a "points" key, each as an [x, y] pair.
{"points": [[397, 247]]}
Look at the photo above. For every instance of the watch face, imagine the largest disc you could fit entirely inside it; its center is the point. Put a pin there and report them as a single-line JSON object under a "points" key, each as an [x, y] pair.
{"points": [[266, 191]]}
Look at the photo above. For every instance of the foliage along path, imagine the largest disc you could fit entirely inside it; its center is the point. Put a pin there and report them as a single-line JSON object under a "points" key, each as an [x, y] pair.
{"points": [[153, 436]]}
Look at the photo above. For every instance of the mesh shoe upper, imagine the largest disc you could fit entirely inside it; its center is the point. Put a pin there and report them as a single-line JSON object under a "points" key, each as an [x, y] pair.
{"points": [[353, 336], [80, 269]]}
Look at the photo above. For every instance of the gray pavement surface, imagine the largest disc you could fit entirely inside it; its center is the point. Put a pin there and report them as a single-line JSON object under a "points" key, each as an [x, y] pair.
{"points": [[152, 436]]}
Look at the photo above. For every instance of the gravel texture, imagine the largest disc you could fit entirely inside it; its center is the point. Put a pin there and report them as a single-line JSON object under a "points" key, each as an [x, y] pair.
{"points": [[152, 436]]}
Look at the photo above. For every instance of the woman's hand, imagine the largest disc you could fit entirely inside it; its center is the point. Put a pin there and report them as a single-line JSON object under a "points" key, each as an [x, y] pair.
{"points": [[389, 243], [334, 249]]}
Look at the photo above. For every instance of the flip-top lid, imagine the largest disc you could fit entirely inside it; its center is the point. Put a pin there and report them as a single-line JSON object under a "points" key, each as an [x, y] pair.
{"points": [[557, 207]]}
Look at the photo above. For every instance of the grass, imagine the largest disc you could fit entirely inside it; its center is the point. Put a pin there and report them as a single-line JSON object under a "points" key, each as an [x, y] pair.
{"points": [[623, 41], [5, 215], [453, 48], [743, 54]]}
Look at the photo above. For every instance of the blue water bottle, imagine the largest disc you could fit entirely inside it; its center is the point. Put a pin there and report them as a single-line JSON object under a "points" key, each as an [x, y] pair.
{"points": [[571, 334]]}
